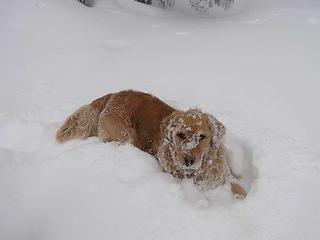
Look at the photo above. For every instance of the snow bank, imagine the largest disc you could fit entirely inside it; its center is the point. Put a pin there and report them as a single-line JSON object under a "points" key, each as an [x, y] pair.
{"points": [[88, 189], [254, 67]]}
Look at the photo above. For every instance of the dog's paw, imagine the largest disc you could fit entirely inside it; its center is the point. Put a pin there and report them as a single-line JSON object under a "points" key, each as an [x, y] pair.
{"points": [[238, 191]]}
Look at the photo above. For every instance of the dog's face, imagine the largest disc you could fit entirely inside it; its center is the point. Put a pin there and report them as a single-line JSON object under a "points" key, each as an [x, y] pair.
{"points": [[192, 135]]}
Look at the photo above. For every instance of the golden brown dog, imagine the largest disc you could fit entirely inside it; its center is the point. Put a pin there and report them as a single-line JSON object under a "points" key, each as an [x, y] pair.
{"points": [[187, 144]]}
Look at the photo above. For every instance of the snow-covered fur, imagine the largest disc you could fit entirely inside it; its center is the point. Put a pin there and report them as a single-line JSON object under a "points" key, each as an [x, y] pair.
{"points": [[188, 144], [197, 136]]}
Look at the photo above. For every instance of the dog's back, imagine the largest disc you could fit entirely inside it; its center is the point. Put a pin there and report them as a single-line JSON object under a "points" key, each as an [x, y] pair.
{"points": [[143, 111]]}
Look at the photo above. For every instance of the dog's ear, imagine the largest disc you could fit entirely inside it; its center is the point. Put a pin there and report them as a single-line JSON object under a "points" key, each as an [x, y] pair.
{"points": [[169, 126], [218, 130]]}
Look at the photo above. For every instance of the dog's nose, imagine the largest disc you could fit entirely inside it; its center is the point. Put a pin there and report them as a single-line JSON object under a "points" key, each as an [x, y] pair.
{"points": [[188, 160]]}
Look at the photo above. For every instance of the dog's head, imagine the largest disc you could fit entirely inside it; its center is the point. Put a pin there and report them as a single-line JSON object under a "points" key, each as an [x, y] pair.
{"points": [[192, 136]]}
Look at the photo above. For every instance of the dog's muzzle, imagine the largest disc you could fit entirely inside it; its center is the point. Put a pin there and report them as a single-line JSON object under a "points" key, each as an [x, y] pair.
{"points": [[188, 160]]}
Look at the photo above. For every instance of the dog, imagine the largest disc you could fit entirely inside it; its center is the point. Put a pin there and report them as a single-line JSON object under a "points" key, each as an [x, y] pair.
{"points": [[187, 144]]}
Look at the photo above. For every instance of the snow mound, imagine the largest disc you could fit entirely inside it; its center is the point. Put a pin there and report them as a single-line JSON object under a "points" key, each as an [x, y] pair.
{"points": [[88, 189]]}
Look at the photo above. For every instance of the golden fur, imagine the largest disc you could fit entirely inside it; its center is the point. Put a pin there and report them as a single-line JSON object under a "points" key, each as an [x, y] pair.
{"points": [[187, 144]]}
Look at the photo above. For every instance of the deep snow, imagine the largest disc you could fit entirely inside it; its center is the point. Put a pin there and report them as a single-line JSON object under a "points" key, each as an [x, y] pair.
{"points": [[255, 67]]}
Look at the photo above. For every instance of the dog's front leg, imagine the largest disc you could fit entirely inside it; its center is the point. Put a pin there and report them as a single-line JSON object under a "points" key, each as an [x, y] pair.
{"points": [[237, 190]]}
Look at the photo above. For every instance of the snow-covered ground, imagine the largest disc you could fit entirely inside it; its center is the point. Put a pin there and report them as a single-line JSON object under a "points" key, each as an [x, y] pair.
{"points": [[256, 67]]}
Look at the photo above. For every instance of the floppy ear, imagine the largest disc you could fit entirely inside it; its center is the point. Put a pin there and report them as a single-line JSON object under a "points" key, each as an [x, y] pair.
{"points": [[166, 151], [169, 126], [220, 128], [218, 131]]}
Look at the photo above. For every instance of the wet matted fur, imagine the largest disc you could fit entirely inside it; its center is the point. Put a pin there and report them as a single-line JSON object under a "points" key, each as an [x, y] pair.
{"points": [[187, 144]]}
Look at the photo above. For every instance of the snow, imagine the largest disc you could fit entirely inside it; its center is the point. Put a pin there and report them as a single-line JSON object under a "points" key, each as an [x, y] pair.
{"points": [[255, 67]]}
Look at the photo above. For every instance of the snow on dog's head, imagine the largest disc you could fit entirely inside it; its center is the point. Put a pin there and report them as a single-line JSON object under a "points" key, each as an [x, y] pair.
{"points": [[191, 136]]}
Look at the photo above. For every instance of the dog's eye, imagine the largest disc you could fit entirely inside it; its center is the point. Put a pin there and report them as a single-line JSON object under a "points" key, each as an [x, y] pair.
{"points": [[202, 136], [181, 135]]}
